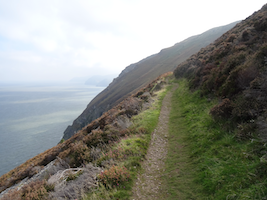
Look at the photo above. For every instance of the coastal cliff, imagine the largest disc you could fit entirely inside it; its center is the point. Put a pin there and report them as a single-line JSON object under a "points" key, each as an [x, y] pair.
{"points": [[227, 145], [141, 73]]}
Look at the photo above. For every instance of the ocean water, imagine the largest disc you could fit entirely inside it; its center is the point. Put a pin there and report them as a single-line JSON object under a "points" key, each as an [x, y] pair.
{"points": [[34, 117]]}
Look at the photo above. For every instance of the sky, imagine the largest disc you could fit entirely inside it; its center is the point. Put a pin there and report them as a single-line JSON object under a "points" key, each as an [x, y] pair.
{"points": [[57, 40]]}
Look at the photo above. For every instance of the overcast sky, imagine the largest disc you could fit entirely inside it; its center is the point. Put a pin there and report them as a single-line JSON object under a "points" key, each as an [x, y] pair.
{"points": [[62, 39]]}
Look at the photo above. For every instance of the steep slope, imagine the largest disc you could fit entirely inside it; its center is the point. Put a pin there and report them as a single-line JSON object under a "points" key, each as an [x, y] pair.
{"points": [[234, 68], [141, 73], [53, 167], [230, 146]]}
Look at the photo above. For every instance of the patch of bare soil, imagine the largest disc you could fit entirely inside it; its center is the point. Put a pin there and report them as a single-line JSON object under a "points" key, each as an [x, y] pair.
{"points": [[149, 182]]}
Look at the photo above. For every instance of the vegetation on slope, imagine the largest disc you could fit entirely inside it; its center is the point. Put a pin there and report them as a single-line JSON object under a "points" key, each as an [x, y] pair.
{"points": [[127, 153], [141, 73], [67, 170], [206, 160], [229, 146], [233, 68]]}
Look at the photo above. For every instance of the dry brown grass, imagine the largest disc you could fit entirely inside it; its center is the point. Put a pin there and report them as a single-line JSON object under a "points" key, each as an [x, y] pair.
{"points": [[25, 170], [37, 190]]}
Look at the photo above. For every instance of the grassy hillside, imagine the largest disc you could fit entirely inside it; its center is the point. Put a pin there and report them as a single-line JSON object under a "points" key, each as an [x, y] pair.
{"points": [[228, 138], [206, 160], [233, 69], [141, 73]]}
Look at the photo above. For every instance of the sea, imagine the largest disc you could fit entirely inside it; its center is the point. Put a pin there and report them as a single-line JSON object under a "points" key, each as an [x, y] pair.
{"points": [[33, 117]]}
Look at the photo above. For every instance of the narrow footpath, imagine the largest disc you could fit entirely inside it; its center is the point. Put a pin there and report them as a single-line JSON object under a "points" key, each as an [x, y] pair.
{"points": [[149, 181]]}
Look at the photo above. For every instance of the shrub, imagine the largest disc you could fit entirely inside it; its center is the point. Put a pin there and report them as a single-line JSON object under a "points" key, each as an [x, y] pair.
{"points": [[37, 190], [181, 70], [114, 176], [64, 153], [261, 25], [80, 154], [245, 130], [245, 108], [94, 138], [231, 38], [246, 75], [223, 110], [229, 88], [262, 54]]}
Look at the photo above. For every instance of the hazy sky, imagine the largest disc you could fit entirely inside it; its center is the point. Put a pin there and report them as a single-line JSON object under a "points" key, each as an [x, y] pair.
{"points": [[63, 39]]}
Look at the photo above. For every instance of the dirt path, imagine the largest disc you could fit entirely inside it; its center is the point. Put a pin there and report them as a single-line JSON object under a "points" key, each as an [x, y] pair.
{"points": [[149, 183]]}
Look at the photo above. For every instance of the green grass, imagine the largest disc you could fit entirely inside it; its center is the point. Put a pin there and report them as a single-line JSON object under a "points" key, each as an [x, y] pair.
{"points": [[205, 161], [129, 152]]}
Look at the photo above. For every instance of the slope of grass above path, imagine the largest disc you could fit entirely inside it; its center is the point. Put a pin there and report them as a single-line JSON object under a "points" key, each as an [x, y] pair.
{"points": [[205, 160]]}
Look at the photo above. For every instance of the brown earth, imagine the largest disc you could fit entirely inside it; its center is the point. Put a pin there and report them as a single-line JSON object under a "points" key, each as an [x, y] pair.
{"points": [[149, 184]]}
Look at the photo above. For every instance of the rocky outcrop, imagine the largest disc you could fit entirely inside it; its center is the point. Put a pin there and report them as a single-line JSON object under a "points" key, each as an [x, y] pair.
{"points": [[84, 179]]}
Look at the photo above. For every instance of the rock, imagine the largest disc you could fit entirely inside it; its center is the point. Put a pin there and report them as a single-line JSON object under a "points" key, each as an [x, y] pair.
{"points": [[74, 189], [123, 122]]}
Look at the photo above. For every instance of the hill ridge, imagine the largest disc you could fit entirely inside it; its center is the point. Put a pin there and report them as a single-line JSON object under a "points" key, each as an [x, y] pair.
{"points": [[137, 75]]}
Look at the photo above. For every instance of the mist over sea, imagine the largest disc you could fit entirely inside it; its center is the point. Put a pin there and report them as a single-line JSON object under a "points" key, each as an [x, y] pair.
{"points": [[34, 117]]}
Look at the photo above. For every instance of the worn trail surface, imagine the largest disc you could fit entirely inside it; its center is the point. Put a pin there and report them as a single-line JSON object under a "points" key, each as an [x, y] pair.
{"points": [[149, 183]]}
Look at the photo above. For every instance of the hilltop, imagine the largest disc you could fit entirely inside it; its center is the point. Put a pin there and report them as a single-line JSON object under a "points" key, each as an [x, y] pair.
{"points": [[139, 74]]}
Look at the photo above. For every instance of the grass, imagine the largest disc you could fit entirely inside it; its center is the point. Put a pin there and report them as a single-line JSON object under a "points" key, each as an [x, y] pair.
{"points": [[126, 155], [206, 161]]}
